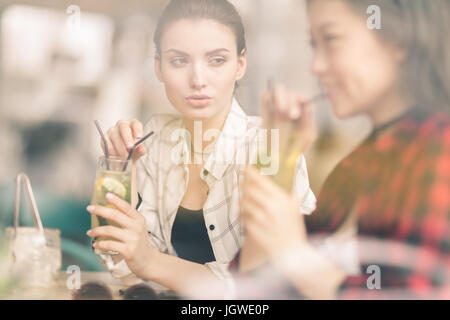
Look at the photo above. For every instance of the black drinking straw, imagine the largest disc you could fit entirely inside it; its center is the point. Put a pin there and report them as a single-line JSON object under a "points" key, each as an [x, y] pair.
{"points": [[317, 98], [104, 143], [134, 147]]}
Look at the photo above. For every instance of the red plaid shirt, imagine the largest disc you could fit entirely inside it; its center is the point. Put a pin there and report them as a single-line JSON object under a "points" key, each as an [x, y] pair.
{"points": [[398, 181]]}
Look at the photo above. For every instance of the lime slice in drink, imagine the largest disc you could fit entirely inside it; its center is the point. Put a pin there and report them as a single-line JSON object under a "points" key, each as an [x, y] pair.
{"points": [[113, 186]]}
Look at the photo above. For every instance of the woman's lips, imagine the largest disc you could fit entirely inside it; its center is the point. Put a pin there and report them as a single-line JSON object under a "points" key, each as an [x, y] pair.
{"points": [[331, 96], [330, 92], [199, 101]]}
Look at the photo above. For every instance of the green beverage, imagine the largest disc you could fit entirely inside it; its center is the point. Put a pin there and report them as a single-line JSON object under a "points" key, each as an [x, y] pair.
{"points": [[285, 175], [280, 166], [110, 178], [277, 156]]}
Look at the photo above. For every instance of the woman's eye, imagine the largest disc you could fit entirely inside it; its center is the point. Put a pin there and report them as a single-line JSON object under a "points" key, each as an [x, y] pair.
{"points": [[329, 38], [178, 62], [217, 61]]}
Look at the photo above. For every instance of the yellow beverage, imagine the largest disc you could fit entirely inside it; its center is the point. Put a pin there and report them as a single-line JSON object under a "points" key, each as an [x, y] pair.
{"points": [[112, 180], [286, 171], [287, 155]]}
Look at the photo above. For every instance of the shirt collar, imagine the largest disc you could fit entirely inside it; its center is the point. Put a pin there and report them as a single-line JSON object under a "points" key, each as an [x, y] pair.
{"points": [[230, 139]]}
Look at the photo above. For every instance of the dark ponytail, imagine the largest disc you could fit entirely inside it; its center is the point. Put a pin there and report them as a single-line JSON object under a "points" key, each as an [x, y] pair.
{"points": [[221, 11]]}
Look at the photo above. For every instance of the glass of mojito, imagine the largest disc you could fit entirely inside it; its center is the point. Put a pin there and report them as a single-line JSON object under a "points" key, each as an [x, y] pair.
{"points": [[278, 158], [113, 176]]}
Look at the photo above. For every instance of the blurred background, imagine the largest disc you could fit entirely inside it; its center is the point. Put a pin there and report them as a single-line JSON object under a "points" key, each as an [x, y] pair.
{"points": [[65, 63]]}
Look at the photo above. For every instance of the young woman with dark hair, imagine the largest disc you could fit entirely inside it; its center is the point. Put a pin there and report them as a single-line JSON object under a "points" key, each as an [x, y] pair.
{"points": [[187, 229], [394, 188]]}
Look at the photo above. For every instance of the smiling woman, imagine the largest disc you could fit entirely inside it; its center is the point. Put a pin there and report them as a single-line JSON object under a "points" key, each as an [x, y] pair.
{"points": [[187, 229], [392, 190]]}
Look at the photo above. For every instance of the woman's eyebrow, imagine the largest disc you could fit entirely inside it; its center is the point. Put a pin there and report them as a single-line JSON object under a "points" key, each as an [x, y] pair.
{"points": [[209, 53], [321, 28], [216, 51], [177, 52], [326, 26]]}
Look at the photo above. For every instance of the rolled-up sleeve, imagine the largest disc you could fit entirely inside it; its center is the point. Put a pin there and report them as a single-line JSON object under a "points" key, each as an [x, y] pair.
{"points": [[302, 187]]}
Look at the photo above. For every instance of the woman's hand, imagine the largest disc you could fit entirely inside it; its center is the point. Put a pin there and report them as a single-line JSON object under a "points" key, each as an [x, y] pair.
{"points": [[122, 137], [131, 239], [292, 115], [270, 215], [271, 219]]}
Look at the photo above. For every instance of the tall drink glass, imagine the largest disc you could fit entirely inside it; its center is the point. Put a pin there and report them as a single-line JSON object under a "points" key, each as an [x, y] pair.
{"points": [[113, 176], [284, 158]]}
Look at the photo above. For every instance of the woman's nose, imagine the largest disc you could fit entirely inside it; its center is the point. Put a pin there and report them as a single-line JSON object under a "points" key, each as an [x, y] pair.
{"points": [[319, 64], [198, 77]]}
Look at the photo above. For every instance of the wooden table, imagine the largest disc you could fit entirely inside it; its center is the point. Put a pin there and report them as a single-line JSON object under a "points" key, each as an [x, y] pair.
{"points": [[61, 289]]}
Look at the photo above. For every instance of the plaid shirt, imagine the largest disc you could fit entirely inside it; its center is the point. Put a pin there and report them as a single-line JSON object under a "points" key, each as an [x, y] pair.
{"points": [[398, 184], [163, 177]]}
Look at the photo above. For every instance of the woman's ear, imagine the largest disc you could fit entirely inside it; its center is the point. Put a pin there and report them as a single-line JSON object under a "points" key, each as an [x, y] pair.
{"points": [[242, 65], [158, 68]]}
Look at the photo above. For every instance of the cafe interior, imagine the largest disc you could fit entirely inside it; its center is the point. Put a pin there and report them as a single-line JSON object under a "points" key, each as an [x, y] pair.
{"points": [[57, 77]]}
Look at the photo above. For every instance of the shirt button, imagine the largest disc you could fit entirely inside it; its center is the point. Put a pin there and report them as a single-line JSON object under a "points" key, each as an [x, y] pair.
{"points": [[205, 172], [212, 227]]}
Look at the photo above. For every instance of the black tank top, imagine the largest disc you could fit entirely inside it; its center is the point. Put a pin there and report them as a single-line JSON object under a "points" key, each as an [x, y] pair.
{"points": [[190, 237]]}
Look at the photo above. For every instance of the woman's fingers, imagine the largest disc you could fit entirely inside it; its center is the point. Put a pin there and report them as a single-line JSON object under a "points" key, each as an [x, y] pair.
{"points": [[111, 149], [280, 97], [294, 117], [140, 151], [111, 215], [257, 198], [264, 192], [254, 179], [265, 195], [306, 121], [122, 138], [126, 134], [281, 102], [109, 231], [257, 231], [287, 105], [294, 107], [306, 128], [122, 206], [138, 133], [109, 245], [261, 194], [118, 143], [251, 212], [266, 109], [138, 130]]}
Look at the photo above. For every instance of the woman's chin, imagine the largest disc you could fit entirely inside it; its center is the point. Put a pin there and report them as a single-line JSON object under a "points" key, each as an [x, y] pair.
{"points": [[343, 110], [198, 114]]}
